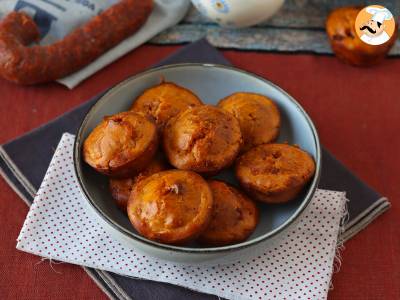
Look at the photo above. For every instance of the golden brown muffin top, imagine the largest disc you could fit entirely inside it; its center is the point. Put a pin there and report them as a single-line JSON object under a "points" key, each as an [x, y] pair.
{"points": [[258, 116], [203, 139], [234, 216], [274, 168], [165, 101], [118, 139], [171, 206]]}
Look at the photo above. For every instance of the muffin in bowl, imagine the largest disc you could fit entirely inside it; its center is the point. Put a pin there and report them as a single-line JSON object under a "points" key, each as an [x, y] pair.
{"points": [[234, 216], [274, 173], [121, 145], [204, 139], [258, 116], [164, 101], [171, 207]]}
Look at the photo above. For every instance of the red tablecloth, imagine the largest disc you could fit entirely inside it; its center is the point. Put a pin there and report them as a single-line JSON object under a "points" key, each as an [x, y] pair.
{"points": [[357, 113]]}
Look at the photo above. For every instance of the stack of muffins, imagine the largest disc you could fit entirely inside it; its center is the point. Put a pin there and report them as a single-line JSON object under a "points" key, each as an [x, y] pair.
{"points": [[167, 190]]}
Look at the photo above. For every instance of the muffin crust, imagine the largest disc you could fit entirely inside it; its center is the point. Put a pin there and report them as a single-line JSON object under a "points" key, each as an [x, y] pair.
{"points": [[274, 173], [258, 116], [203, 139], [234, 216], [345, 42], [165, 101], [121, 145], [171, 207]]}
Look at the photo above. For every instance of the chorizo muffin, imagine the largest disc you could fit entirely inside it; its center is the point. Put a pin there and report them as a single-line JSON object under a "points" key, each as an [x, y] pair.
{"points": [[234, 216], [121, 145], [345, 42], [203, 139], [165, 101], [171, 207], [274, 173], [121, 188], [258, 116]]}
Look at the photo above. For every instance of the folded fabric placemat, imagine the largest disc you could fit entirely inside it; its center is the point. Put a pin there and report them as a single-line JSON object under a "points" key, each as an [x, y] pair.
{"points": [[298, 263], [26, 175], [299, 26]]}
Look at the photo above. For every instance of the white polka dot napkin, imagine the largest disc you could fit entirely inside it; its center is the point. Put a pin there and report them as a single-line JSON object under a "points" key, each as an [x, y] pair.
{"points": [[296, 265]]}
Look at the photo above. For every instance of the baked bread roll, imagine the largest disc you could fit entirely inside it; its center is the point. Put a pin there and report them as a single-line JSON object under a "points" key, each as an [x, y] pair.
{"points": [[121, 188], [203, 139], [121, 145], [165, 101], [274, 173], [171, 207], [345, 43], [234, 216], [258, 116]]}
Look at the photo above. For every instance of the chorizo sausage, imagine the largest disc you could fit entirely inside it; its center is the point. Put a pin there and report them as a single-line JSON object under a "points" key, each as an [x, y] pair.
{"points": [[37, 64]]}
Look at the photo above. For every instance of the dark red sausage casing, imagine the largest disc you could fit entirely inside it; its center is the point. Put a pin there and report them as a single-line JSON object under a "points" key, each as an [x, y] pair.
{"points": [[36, 64]]}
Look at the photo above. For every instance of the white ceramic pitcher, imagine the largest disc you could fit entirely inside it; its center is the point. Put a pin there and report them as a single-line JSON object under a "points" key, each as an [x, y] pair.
{"points": [[238, 13]]}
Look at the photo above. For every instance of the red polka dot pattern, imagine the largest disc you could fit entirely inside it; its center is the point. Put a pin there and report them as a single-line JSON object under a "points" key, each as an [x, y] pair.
{"points": [[296, 265]]}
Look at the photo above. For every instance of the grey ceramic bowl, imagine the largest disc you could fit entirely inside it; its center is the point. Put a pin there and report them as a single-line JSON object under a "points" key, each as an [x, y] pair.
{"points": [[210, 83]]}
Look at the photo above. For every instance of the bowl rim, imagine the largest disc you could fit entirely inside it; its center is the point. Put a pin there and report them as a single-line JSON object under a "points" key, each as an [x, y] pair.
{"points": [[138, 238]]}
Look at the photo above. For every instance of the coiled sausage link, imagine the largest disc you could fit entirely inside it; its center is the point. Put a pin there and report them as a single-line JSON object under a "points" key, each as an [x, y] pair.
{"points": [[36, 64]]}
